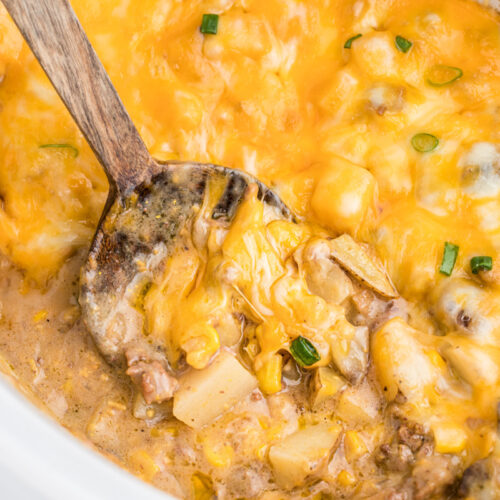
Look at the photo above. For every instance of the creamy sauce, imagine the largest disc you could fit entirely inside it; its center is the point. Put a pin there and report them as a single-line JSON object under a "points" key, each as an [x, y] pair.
{"points": [[276, 94]]}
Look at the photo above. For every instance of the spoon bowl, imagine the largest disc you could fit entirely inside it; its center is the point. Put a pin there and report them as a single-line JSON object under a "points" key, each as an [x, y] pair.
{"points": [[137, 235]]}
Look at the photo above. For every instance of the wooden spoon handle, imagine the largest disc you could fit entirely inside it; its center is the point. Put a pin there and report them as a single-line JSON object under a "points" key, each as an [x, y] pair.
{"points": [[58, 41]]}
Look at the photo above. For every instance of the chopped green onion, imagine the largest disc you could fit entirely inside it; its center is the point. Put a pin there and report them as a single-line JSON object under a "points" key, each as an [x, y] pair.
{"points": [[69, 147], [440, 75], [209, 24], [403, 44], [481, 263], [449, 258], [423, 143], [348, 43], [304, 352]]}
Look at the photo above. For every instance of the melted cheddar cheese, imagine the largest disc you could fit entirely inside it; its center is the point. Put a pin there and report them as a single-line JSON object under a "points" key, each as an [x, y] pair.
{"points": [[277, 94]]}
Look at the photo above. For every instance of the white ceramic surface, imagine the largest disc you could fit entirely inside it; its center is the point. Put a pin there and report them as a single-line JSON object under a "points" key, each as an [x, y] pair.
{"points": [[39, 460]]}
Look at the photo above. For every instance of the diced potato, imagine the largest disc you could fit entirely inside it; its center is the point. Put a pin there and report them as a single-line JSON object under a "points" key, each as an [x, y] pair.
{"points": [[449, 437], [375, 53], [345, 478], [410, 242], [238, 32], [400, 361], [465, 306], [342, 196], [325, 383], [390, 164], [384, 98], [303, 453], [339, 96], [470, 362], [354, 259], [479, 178], [359, 405], [205, 394], [349, 348], [323, 276]]}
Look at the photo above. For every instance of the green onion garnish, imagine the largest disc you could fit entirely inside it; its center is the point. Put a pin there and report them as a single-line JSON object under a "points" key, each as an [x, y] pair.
{"points": [[348, 43], [209, 24], [423, 143], [449, 258], [69, 147], [481, 263], [304, 352], [440, 75], [403, 44]]}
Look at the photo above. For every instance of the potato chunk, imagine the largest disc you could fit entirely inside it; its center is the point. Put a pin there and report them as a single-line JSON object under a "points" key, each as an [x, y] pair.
{"points": [[349, 348], [354, 259], [473, 364], [205, 394], [303, 453], [400, 361], [323, 276], [343, 196], [324, 384], [360, 405]]}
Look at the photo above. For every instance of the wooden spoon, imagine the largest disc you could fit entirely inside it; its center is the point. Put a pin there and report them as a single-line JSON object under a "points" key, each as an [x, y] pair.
{"points": [[149, 203]]}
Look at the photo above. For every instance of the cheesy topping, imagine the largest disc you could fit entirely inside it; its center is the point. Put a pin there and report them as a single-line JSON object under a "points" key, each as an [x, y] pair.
{"points": [[279, 93]]}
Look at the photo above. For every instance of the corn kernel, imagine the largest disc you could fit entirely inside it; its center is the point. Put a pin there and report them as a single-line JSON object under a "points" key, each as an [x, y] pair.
{"points": [[68, 387], [40, 315], [449, 437], [354, 446], [261, 451], [345, 478], [436, 359], [269, 375], [202, 487], [142, 463], [264, 422], [217, 454], [117, 405], [202, 342]]}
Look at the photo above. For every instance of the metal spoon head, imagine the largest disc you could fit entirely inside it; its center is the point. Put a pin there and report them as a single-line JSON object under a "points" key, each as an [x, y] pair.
{"points": [[135, 237]]}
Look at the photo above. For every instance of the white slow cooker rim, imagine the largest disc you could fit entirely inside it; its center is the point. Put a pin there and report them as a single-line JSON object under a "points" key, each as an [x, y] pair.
{"points": [[41, 460]]}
